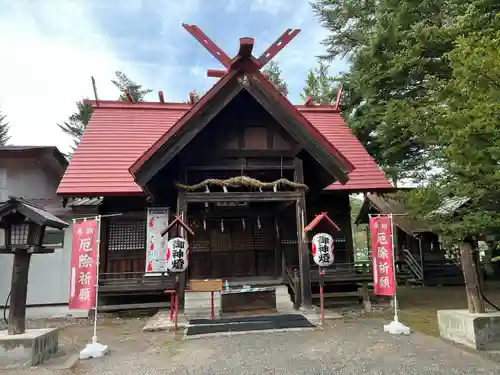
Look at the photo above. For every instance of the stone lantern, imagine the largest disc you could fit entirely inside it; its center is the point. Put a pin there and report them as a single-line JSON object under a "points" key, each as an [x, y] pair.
{"points": [[24, 226]]}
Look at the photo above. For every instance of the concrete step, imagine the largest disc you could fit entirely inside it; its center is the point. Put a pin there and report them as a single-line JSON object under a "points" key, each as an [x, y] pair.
{"points": [[284, 302], [198, 305]]}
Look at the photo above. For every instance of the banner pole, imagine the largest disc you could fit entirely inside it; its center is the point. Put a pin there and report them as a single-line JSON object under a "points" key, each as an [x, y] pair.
{"points": [[98, 219], [396, 317], [95, 349], [395, 327]]}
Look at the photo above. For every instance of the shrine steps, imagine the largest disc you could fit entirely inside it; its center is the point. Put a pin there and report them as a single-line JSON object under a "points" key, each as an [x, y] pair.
{"points": [[197, 305]]}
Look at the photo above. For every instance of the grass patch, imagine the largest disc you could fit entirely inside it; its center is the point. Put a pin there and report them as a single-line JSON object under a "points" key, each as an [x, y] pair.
{"points": [[419, 306]]}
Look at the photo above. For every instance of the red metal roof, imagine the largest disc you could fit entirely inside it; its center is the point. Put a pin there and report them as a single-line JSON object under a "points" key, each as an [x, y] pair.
{"points": [[366, 176], [120, 132], [318, 219]]}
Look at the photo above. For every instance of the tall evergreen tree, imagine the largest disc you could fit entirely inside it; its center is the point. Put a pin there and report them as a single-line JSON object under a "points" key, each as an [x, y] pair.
{"points": [[393, 47], [76, 124], [4, 130], [274, 75], [122, 82], [320, 86], [465, 119]]}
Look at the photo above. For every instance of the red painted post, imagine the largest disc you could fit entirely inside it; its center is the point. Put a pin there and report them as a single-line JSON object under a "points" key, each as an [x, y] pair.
{"points": [[322, 304], [212, 305], [172, 298], [176, 312], [321, 296]]}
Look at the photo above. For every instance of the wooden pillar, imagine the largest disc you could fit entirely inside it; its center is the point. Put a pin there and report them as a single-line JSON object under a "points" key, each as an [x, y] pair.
{"points": [[103, 248], [303, 247], [182, 212], [19, 292], [349, 233]]}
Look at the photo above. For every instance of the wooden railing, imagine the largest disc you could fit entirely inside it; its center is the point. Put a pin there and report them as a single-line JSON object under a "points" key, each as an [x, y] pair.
{"points": [[343, 272], [292, 278], [414, 265], [130, 282]]}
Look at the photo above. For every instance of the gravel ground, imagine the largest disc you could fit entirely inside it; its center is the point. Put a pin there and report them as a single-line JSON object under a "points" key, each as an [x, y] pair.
{"points": [[345, 347]]}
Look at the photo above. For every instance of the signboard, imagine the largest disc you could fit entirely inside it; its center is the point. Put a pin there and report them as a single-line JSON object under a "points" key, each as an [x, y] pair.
{"points": [[322, 249], [384, 282], [83, 265], [157, 221], [177, 254]]}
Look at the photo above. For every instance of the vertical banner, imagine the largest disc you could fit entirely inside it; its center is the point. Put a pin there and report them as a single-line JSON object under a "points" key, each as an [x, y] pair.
{"points": [[83, 265], [384, 282], [157, 221]]}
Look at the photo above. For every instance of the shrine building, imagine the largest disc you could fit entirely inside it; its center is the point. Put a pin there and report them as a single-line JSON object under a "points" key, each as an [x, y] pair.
{"points": [[243, 167]]}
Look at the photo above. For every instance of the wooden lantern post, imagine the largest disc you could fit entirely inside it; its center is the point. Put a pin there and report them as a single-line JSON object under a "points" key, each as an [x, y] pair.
{"points": [[24, 225], [179, 224], [321, 270]]}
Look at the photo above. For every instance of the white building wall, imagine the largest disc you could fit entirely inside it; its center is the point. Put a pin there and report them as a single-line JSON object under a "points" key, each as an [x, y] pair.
{"points": [[27, 178], [48, 280]]}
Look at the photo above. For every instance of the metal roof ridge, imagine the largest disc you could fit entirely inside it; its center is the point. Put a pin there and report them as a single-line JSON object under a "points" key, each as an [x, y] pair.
{"points": [[119, 104]]}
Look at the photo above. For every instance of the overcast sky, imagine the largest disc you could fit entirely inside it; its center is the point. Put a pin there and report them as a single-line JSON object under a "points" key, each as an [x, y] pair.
{"points": [[50, 48]]}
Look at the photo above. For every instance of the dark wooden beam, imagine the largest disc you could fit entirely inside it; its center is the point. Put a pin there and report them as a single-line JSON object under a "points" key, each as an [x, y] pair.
{"points": [[257, 153], [217, 73], [283, 206], [182, 213], [263, 167], [19, 292], [246, 47], [265, 196], [296, 130], [303, 247], [196, 124], [236, 212]]}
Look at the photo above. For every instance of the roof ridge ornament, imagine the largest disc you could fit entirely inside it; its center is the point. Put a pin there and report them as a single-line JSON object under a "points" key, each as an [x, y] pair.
{"points": [[244, 52]]}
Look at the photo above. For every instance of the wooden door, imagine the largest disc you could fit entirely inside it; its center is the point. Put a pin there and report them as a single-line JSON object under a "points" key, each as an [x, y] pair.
{"points": [[232, 248]]}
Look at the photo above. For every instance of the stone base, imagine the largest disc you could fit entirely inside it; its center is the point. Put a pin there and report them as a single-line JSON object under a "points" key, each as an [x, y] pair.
{"points": [[161, 322], [284, 304], [31, 348], [314, 314], [477, 331], [94, 350], [198, 305]]}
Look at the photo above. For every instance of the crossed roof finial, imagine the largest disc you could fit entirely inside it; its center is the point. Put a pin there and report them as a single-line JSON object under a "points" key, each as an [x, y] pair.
{"points": [[245, 49]]}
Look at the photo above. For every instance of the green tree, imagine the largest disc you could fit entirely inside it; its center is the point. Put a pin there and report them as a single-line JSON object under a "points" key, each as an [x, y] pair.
{"points": [[76, 124], [320, 86], [466, 134], [4, 130], [122, 82], [393, 47], [274, 75]]}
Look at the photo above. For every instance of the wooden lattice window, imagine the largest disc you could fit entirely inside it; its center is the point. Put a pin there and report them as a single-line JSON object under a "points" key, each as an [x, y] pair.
{"points": [[201, 242], [127, 235], [263, 237]]}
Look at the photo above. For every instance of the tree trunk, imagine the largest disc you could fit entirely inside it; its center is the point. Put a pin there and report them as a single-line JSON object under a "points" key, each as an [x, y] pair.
{"points": [[472, 287], [19, 290]]}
